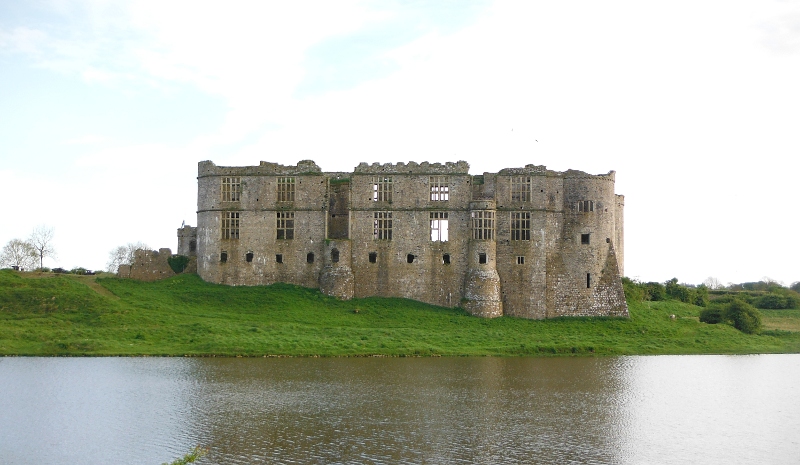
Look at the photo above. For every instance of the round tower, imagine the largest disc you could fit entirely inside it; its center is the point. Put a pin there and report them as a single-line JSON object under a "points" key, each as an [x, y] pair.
{"points": [[336, 278], [482, 283]]}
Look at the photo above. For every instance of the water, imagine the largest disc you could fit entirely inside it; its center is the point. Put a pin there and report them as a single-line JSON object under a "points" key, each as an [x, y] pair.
{"points": [[623, 410]]}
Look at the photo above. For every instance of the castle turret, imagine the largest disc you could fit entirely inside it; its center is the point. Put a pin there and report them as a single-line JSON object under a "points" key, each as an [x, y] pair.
{"points": [[482, 283], [336, 278]]}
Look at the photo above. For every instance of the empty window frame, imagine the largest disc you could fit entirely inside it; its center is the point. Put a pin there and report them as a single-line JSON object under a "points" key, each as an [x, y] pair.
{"points": [[588, 280], [440, 188], [446, 259], [230, 225], [279, 258], [585, 206], [520, 260], [373, 257], [223, 256], [482, 225], [410, 258], [482, 258], [520, 226], [285, 225], [248, 257], [231, 188], [310, 257], [520, 188], [439, 226], [335, 255], [585, 238], [286, 189], [382, 188], [383, 226]]}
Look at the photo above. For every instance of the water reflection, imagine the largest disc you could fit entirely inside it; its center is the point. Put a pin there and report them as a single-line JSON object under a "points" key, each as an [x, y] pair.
{"points": [[426, 410]]}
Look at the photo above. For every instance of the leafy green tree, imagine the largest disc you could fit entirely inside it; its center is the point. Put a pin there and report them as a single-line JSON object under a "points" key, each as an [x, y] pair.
{"points": [[743, 316], [712, 315]]}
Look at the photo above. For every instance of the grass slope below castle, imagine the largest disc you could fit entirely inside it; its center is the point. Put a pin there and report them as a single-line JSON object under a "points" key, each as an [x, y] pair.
{"points": [[76, 315]]}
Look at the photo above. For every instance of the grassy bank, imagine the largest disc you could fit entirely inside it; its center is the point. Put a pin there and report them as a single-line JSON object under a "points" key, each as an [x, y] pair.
{"points": [[73, 315]]}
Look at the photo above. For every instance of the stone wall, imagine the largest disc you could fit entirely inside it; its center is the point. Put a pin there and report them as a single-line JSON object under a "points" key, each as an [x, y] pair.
{"points": [[152, 265], [568, 263]]}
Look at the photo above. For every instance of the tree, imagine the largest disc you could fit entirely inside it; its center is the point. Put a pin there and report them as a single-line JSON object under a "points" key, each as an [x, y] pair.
{"points": [[713, 283], [42, 241], [123, 255], [18, 253]]}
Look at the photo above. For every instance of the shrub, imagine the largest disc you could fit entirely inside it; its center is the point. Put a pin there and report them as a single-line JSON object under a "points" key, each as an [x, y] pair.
{"points": [[743, 316], [634, 291], [78, 270], [178, 263], [771, 301], [655, 291], [712, 315]]}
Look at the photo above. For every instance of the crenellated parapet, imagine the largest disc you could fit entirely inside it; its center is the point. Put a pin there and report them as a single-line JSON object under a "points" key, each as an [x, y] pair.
{"points": [[459, 167], [303, 167]]}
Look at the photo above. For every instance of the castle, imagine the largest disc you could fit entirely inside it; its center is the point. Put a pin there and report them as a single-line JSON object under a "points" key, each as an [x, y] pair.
{"points": [[525, 242]]}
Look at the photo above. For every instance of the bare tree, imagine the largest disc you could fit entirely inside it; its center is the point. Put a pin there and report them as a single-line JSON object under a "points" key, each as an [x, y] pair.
{"points": [[18, 253], [123, 255], [713, 283], [42, 241]]}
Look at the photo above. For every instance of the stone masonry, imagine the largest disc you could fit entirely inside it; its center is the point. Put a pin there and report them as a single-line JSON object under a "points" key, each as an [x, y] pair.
{"points": [[526, 242]]}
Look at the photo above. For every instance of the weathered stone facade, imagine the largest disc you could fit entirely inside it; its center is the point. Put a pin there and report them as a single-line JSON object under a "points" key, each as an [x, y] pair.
{"points": [[153, 265], [525, 242]]}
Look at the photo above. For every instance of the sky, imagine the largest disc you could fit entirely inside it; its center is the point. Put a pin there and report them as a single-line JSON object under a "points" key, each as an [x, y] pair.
{"points": [[106, 107]]}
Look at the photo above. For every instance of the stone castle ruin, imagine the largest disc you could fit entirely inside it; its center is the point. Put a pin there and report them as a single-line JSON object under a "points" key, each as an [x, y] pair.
{"points": [[525, 242]]}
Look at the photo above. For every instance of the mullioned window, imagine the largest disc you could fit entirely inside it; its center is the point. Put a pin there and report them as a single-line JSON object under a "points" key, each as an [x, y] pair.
{"points": [[230, 225], [285, 225], [286, 189], [231, 188], [482, 225], [383, 226]]}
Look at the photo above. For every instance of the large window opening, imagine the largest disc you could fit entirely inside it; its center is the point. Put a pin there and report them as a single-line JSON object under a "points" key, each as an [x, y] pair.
{"points": [[520, 226], [521, 189], [383, 226], [439, 226], [231, 188], [482, 225], [440, 188], [382, 188], [285, 225], [286, 189], [230, 225]]}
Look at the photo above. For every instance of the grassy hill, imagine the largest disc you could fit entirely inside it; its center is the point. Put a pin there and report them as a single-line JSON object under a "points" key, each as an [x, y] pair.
{"points": [[46, 314]]}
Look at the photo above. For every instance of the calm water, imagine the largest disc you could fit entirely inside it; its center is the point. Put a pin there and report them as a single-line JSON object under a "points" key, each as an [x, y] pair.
{"points": [[626, 410]]}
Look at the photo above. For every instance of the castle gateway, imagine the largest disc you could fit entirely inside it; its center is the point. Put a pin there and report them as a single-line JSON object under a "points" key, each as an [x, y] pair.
{"points": [[524, 242]]}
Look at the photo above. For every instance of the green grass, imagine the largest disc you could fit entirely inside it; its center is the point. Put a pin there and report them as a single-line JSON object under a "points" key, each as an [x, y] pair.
{"points": [[67, 315]]}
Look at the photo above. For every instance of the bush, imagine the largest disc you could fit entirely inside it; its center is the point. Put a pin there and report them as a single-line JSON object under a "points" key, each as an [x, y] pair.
{"points": [[178, 263], [712, 315], [634, 291], [655, 291], [78, 270], [744, 317], [771, 301]]}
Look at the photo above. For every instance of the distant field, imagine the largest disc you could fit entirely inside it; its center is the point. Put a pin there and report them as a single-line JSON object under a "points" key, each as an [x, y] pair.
{"points": [[70, 315]]}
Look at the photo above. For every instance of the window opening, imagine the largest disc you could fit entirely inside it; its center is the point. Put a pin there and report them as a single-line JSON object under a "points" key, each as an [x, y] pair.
{"points": [[520, 260], [482, 225], [588, 280], [520, 188], [410, 258], [373, 257], [231, 188], [249, 257], [286, 189], [446, 259], [383, 226], [223, 257], [230, 225], [285, 225], [310, 257], [520, 226], [335, 255], [586, 206], [382, 188], [439, 226], [482, 258], [584, 238], [279, 258], [192, 246], [440, 188]]}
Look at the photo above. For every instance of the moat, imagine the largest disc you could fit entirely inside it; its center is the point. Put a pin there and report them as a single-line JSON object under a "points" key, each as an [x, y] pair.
{"points": [[616, 410]]}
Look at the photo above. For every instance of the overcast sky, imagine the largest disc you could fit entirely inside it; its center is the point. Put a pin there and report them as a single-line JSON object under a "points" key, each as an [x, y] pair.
{"points": [[106, 108]]}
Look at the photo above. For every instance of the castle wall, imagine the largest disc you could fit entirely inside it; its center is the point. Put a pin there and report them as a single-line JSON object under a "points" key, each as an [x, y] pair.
{"points": [[567, 262]]}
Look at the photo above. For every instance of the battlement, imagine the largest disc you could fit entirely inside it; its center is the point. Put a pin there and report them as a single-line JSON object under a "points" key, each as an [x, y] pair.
{"points": [[303, 167], [459, 167]]}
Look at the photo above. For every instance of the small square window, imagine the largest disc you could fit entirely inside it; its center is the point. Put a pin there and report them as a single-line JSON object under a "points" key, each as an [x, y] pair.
{"points": [[584, 238], [410, 258], [279, 258], [520, 260], [223, 257], [310, 257], [482, 258], [335, 255], [249, 257], [373, 257], [446, 259]]}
